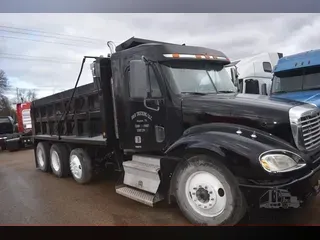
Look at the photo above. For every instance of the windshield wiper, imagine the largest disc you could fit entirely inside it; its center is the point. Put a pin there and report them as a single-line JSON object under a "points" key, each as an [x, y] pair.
{"points": [[226, 91], [195, 93]]}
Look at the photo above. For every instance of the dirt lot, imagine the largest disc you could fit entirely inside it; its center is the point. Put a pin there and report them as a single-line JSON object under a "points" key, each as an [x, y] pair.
{"points": [[28, 196]]}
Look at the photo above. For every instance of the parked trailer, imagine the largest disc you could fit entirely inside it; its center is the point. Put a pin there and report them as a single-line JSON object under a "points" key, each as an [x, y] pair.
{"points": [[22, 137], [167, 117]]}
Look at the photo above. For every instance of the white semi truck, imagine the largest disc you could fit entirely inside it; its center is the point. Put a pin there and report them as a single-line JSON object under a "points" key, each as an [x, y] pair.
{"points": [[253, 74]]}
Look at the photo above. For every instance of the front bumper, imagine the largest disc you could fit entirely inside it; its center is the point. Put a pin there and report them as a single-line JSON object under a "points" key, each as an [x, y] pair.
{"points": [[293, 194]]}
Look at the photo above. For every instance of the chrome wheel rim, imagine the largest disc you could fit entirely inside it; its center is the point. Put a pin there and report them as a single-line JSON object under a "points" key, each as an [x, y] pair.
{"points": [[55, 161], [206, 194], [40, 157], [75, 166]]}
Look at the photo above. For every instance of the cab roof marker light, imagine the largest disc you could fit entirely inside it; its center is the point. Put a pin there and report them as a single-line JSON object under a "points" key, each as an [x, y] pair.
{"points": [[177, 55], [195, 56]]}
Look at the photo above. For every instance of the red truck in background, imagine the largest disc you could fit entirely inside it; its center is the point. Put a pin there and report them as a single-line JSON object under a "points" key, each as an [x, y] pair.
{"points": [[21, 138], [24, 117]]}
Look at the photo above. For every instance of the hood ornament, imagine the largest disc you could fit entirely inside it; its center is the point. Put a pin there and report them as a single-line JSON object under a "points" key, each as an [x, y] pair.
{"points": [[239, 131]]}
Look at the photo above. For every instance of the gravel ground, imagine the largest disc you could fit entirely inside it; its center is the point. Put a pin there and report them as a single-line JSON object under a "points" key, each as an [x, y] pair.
{"points": [[28, 196]]}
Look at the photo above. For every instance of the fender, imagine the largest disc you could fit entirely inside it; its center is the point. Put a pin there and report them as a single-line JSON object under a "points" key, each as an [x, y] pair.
{"points": [[237, 146]]}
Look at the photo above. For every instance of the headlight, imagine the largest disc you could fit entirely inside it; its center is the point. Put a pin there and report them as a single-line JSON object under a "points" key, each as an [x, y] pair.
{"points": [[281, 161]]}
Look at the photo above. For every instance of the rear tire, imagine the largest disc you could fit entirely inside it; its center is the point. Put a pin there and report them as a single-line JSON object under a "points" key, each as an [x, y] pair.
{"points": [[81, 166], [207, 193], [59, 160], [42, 156]]}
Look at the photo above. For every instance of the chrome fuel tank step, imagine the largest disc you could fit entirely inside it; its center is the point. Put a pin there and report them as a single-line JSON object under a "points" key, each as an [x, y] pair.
{"points": [[141, 179]]}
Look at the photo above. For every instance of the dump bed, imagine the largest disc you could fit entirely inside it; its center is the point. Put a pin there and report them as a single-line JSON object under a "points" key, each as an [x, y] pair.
{"points": [[82, 123]]}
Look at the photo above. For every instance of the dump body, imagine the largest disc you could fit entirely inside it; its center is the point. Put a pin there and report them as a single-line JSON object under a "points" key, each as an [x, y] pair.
{"points": [[83, 121]]}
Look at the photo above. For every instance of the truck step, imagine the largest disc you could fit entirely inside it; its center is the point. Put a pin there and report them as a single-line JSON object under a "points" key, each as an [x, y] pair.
{"points": [[138, 195], [142, 173], [149, 159], [144, 167]]}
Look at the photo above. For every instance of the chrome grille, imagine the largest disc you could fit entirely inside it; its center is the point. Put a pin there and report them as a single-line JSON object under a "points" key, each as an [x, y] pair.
{"points": [[310, 127]]}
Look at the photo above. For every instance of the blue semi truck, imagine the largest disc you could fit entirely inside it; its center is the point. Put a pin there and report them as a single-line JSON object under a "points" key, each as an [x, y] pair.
{"points": [[297, 77]]}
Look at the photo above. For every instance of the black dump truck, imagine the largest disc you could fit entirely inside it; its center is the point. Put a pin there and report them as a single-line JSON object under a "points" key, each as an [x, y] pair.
{"points": [[170, 120]]}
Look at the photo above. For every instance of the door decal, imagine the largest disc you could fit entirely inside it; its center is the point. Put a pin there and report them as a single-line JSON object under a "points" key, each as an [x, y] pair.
{"points": [[141, 122]]}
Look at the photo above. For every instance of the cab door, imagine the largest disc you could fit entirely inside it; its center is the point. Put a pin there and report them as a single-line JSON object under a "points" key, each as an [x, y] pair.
{"points": [[145, 113]]}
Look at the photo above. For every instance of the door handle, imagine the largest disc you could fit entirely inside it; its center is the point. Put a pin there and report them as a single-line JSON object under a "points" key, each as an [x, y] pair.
{"points": [[153, 109]]}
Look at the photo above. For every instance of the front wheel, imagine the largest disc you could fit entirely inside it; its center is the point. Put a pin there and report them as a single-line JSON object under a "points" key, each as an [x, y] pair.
{"points": [[207, 192]]}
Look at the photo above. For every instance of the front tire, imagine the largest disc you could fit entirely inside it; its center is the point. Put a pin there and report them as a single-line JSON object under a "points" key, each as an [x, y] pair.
{"points": [[207, 193]]}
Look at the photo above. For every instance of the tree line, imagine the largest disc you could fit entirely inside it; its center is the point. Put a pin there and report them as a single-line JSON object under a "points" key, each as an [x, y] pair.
{"points": [[7, 105]]}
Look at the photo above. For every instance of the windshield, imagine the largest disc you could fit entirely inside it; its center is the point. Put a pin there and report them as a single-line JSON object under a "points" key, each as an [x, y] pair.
{"points": [[296, 83], [198, 78]]}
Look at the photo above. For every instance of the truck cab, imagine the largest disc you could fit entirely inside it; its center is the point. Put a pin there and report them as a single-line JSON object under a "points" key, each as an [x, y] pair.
{"points": [[21, 137], [296, 77], [151, 86], [252, 75], [7, 128]]}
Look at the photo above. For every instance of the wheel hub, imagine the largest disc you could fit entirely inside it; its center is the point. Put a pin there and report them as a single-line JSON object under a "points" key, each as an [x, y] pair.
{"points": [[205, 194], [75, 167], [55, 161]]}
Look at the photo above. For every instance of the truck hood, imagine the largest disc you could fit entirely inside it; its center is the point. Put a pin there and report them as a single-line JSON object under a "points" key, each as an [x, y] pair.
{"points": [[252, 110], [312, 96], [247, 102]]}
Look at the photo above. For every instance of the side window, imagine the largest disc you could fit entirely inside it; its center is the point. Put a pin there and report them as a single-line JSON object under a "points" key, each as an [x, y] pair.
{"points": [[252, 86], [155, 89], [138, 90], [267, 67]]}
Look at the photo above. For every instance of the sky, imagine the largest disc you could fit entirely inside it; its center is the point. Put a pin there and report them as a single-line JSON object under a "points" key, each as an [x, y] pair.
{"points": [[44, 51]]}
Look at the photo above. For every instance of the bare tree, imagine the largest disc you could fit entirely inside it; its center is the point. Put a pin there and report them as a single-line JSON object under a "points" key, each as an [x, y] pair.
{"points": [[25, 96], [6, 107], [3, 82], [3, 86]]}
